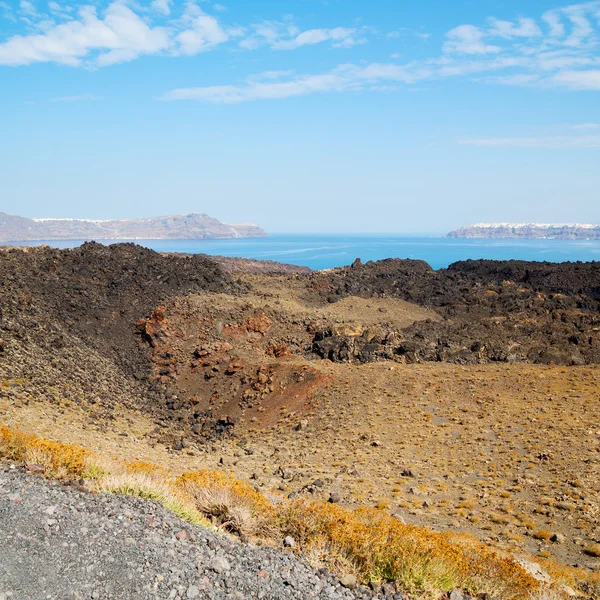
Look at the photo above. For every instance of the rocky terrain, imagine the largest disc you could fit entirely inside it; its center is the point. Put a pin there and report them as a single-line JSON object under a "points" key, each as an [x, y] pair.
{"points": [[172, 227], [68, 544], [555, 231], [465, 399]]}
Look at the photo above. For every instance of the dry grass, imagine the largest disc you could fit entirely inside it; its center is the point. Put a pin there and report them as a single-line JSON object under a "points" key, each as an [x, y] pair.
{"points": [[60, 461], [367, 542], [146, 486], [229, 503], [381, 548]]}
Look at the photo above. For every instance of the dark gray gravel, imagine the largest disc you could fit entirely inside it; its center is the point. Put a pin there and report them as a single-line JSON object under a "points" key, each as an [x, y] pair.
{"points": [[57, 542]]}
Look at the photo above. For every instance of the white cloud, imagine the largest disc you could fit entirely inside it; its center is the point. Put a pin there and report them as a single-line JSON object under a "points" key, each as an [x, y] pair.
{"points": [[517, 53], [342, 78], [340, 36], [549, 142], [59, 9], [119, 35], [508, 30], [162, 6], [553, 20], [468, 39], [286, 36], [558, 48], [578, 80], [6, 12], [204, 33], [27, 8]]}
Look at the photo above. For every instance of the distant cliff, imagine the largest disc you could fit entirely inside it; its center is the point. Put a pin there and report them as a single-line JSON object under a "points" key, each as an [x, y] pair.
{"points": [[173, 227], [558, 231]]}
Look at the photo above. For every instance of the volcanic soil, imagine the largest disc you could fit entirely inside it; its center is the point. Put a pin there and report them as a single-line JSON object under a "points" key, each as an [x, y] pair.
{"points": [[457, 401]]}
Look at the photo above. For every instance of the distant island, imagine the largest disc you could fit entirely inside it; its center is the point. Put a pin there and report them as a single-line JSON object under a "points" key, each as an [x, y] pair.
{"points": [[557, 231], [172, 227]]}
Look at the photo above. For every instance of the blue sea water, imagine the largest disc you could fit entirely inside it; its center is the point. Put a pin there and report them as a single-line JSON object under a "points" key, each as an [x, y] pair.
{"points": [[324, 251]]}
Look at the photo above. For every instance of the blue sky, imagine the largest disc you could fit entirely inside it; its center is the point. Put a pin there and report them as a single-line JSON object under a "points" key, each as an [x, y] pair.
{"points": [[304, 115]]}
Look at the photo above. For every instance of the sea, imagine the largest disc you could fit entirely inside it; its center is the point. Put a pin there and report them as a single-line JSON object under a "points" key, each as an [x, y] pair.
{"points": [[326, 251]]}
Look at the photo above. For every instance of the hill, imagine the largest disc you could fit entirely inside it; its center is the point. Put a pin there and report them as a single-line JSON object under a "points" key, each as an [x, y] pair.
{"points": [[174, 227], [557, 231]]}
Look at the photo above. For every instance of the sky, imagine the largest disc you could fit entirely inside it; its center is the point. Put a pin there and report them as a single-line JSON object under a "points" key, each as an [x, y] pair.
{"points": [[302, 115]]}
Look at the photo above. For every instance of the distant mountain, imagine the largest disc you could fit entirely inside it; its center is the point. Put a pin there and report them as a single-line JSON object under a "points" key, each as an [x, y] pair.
{"points": [[173, 227], [558, 231]]}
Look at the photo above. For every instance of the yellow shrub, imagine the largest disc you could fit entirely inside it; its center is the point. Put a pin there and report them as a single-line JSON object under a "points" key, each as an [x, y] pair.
{"points": [[233, 504], [59, 460], [383, 549]]}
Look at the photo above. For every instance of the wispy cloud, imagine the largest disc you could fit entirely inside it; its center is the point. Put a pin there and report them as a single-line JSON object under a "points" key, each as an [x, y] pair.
{"points": [[125, 31], [558, 48], [285, 35], [161, 6], [525, 28], [340, 37], [468, 39], [343, 78], [579, 80]]}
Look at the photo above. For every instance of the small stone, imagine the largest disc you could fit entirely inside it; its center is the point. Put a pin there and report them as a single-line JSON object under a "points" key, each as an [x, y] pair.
{"points": [[334, 498], [302, 425], [192, 592], [389, 588], [558, 538], [399, 517], [182, 535], [349, 581], [36, 468], [219, 565], [50, 510], [285, 473], [289, 542], [456, 595]]}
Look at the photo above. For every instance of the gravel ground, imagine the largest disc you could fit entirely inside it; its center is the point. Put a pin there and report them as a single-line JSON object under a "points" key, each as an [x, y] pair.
{"points": [[58, 542]]}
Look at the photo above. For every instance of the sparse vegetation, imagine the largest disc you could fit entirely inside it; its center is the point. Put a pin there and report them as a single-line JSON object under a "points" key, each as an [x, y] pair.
{"points": [[366, 541]]}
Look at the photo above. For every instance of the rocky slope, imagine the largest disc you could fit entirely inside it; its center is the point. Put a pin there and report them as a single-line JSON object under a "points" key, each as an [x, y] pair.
{"points": [[492, 311], [174, 227], [556, 231], [68, 544]]}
